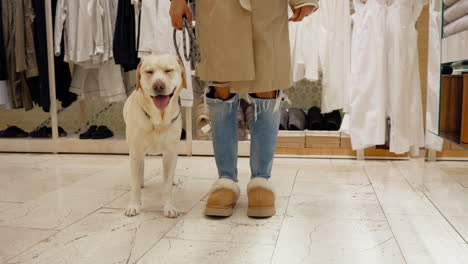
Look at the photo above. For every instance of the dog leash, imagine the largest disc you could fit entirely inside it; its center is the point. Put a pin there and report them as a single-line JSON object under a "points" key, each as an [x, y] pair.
{"points": [[193, 54]]}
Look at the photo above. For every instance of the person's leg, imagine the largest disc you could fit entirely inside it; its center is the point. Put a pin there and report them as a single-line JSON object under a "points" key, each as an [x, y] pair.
{"points": [[223, 107], [225, 191], [264, 134]]}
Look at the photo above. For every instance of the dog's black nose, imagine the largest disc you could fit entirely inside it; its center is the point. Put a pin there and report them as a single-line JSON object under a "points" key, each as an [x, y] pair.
{"points": [[159, 86]]}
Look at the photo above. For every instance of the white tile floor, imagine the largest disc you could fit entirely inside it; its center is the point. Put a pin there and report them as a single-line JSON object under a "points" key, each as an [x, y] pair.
{"points": [[69, 209]]}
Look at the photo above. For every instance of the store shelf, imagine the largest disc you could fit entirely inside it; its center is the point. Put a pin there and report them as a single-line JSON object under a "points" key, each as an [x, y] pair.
{"points": [[27, 145], [118, 145], [72, 144], [323, 139], [291, 139], [454, 109], [345, 141]]}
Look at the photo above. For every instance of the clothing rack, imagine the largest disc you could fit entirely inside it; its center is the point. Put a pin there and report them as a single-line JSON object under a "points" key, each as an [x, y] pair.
{"points": [[119, 146], [72, 145]]}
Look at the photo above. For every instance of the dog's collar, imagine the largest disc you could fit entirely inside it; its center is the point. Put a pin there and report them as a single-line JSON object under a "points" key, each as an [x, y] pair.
{"points": [[174, 119]]}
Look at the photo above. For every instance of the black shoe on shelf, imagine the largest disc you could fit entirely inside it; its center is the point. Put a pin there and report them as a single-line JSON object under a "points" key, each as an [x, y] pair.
{"points": [[62, 132], [314, 119], [46, 132], [447, 70], [297, 119], [42, 132], [332, 121], [102, 132], [89, 133], [13, 132]]}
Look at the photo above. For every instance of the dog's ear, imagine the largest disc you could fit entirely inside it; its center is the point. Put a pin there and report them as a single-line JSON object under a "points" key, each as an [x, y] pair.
{"points": [[184, 74], [138, 75]]}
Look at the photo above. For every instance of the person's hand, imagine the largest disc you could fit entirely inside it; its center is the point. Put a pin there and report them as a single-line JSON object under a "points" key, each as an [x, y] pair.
{"points": [[302, 12], [179, 8]]}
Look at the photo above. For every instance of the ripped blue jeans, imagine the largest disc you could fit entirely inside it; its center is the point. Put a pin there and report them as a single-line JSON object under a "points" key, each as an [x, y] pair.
{"points": [[264, 134]]}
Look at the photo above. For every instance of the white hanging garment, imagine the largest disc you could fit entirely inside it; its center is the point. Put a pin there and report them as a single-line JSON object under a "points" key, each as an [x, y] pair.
{"points": [[292, 28], [434, 61], [69, 25], [106, 17], [153, 36], [304, 43], [334, 52], [404, 85], [311, 45], [321, 42], [367, 83], [297, 65], [156, 33], [87, 30]]}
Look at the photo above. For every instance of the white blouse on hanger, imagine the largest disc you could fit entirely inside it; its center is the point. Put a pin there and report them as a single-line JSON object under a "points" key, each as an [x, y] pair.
{"points": [[404, 84], [321, 43], [304, 48], [87, 30], [366, 117], [384, 77], [334, 53]]}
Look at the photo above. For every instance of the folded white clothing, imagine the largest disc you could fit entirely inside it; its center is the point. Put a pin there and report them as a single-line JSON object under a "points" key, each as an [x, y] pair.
{"points": [[456, 11], [450, 2], [456, 26], [454, 48]]}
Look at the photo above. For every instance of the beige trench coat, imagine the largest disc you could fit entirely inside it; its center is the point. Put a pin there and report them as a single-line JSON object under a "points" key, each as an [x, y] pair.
{"points": [[250, 49]]}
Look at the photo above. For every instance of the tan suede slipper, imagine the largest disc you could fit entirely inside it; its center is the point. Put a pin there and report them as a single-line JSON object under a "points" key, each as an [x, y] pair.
{"points": [[223, 198], [261, 198]]}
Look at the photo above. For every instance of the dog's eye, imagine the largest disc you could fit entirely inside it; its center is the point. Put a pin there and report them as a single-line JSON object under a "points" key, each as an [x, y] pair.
{"points": [[168, 71], [149, 72]]}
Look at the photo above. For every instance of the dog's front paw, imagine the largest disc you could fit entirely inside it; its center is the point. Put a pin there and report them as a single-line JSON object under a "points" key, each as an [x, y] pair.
{"points": [[133, 209], [170, 211]]}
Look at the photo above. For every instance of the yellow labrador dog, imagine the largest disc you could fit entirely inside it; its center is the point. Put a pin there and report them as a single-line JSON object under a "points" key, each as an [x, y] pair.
{"points": [[153, 121]]}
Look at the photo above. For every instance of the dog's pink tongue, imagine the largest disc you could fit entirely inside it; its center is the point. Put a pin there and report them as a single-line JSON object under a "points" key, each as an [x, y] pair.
{"points": [[161, 101]]}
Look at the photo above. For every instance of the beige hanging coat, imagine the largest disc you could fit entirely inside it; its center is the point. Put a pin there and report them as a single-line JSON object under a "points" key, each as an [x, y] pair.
{"points": [[245, 43]]}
